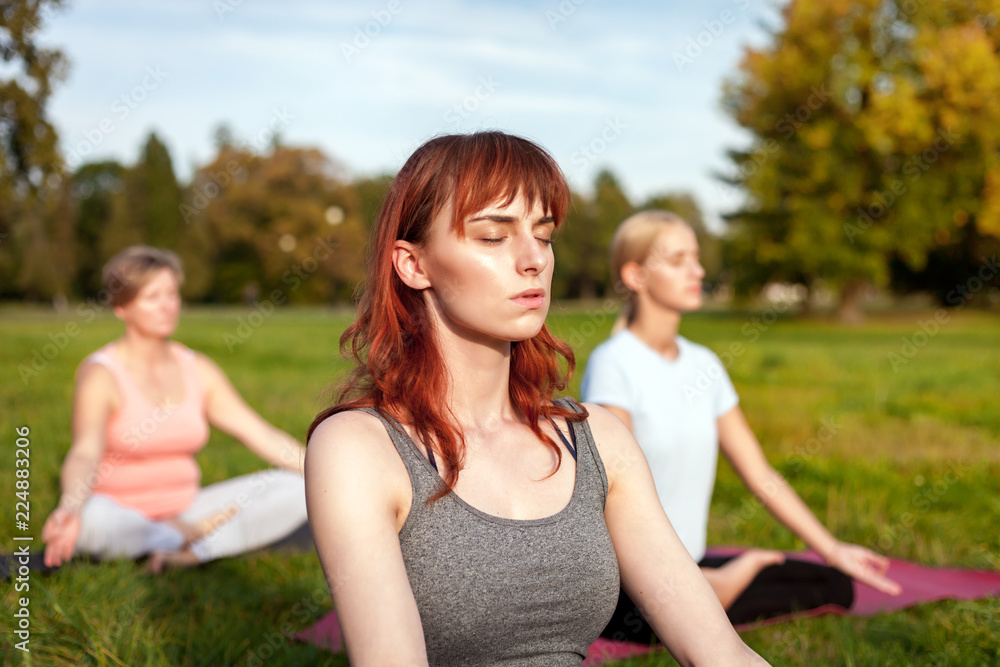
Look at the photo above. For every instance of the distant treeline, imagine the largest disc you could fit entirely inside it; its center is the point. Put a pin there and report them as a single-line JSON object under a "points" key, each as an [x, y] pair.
{"points": [[254, 221]]}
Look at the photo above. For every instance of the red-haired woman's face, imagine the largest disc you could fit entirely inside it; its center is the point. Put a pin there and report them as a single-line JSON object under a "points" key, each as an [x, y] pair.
{"points": [[493, 283], [156, 308]]}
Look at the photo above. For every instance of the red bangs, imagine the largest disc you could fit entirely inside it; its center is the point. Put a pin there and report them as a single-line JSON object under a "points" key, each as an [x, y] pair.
{"points": [[496, 168]]}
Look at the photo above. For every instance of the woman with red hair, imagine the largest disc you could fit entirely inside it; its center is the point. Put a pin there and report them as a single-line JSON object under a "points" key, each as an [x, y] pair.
{"points": [[463, 515]]}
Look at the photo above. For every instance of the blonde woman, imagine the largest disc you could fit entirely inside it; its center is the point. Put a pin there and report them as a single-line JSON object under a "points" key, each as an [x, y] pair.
{"points": [[677, 399], [141, 410]]}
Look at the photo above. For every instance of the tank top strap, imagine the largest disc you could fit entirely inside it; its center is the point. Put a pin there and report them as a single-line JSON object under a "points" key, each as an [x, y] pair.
{"points": [[423, 478], [106, 357], [194, 389], [592, 477]]}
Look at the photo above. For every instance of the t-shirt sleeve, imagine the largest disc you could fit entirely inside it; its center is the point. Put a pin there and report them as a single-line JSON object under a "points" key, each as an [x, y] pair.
{"points": [[726, 397], [604, 382]]}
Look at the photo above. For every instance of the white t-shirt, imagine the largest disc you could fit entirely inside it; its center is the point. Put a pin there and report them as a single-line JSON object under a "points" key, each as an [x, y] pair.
{"points": [[674, 405]]}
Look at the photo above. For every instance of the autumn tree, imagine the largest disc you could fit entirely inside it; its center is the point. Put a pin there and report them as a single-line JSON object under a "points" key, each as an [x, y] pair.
{"points": [[286, 224], [33, 214], [876, 130]]}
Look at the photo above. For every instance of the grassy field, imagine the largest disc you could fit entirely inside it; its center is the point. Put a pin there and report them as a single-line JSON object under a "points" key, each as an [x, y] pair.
{"points": [[901, 406]]}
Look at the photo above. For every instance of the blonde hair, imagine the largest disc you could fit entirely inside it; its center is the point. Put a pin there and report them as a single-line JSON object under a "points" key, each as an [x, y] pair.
{"points": [[129, 271], [631, 243]]}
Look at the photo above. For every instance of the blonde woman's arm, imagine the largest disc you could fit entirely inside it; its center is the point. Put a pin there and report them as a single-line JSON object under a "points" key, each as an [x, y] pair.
{"points": [[741, 447]]}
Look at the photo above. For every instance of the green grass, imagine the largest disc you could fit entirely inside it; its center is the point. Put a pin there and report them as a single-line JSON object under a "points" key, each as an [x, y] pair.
{"points": [[895, 434]]}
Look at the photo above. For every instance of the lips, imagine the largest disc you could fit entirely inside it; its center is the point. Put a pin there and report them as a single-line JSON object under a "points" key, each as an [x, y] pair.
{"points": [[530, 298]]}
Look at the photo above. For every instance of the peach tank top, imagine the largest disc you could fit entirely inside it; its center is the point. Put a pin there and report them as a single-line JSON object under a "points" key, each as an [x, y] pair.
{"points": [[148, 462]]}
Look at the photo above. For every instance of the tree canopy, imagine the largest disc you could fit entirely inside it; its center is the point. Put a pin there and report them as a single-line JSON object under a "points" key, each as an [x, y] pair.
{"points": [[876, 129]]}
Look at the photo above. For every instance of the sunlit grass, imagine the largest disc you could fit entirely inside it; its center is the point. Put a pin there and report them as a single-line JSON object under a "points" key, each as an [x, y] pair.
{"points": [[897, 432]]}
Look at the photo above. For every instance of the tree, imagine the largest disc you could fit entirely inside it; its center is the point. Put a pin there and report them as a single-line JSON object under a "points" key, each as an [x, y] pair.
{"points": [[876, 131], [149, 208], [31, 187], [371, 192], [95, 185], [582, 251], [285, 224]]}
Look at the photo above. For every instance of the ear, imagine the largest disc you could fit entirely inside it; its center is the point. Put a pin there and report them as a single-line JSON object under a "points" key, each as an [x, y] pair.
{"points": [[633, 276], [407, 260]]}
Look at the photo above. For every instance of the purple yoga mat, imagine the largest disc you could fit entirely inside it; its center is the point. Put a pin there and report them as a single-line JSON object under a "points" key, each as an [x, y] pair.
{"points": [[920, 584]]}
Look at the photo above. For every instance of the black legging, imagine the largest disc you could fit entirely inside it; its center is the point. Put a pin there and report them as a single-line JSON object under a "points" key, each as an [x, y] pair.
{"points": [[794, 585]]}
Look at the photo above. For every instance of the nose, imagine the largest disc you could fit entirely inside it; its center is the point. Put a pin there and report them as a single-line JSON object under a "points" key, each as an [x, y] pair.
{"points": [[532, 255], [699, 270]]}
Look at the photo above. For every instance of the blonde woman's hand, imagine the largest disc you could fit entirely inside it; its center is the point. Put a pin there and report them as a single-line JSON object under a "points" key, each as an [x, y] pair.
{"points": [[864, 565]]}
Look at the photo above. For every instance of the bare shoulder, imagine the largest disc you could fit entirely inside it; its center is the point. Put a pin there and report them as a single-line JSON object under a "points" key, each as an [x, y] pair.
{"points": [[94, 381], [209, 370], [349, 431], [617, 446], [352, 450], [609, 431]]}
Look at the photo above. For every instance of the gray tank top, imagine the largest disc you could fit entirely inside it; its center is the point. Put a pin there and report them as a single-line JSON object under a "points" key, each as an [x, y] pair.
{"points": [[496, 591]]}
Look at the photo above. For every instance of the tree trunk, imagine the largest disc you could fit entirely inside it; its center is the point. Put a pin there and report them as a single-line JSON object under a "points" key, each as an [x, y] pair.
{"points": [[849, 309]]}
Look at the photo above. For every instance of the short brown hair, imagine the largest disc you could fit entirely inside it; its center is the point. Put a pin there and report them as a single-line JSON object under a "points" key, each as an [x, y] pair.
{"points": [[129, 271]]}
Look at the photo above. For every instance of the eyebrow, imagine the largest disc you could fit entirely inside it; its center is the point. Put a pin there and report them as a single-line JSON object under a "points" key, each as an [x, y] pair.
{"points": [[674, 253], [509, 218]]}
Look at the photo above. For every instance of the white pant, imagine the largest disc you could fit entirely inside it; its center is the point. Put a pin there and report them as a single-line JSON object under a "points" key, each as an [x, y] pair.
{"points": [[268, 505]]}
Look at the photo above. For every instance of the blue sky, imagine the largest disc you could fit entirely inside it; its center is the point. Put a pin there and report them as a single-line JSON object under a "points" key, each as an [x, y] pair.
{"points": [[598, 83]]}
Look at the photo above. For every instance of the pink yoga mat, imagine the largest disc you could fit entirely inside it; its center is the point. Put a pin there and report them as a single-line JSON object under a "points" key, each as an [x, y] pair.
{"points": [[920, 584]]}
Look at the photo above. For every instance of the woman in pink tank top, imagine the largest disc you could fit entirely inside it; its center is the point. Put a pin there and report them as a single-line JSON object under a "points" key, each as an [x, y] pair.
{"points": [[142, 409]]}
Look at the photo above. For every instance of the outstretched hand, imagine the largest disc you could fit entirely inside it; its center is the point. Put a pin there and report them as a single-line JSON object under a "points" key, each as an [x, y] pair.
{"points": [[60, 533], [864, 565]]}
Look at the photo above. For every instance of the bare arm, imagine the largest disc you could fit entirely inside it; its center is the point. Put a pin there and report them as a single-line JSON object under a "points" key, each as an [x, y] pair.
{"points": [[356, 486], [227, 410], [744, 452], [657, 571], [93, 398]]}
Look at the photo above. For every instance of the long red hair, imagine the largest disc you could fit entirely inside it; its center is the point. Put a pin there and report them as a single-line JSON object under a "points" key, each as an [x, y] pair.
{"points": [[400, 370]]}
